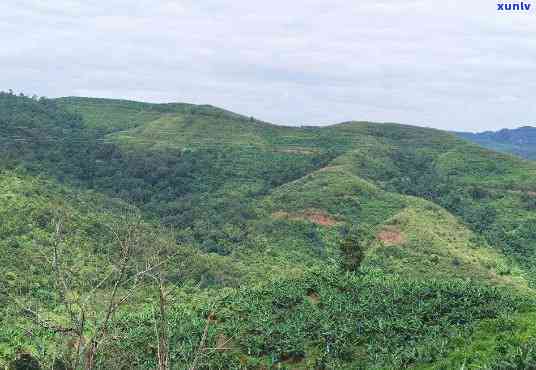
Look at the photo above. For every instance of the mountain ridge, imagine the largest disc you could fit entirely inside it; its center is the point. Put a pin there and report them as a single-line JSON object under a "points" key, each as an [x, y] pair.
{"points": [[520, 141]]}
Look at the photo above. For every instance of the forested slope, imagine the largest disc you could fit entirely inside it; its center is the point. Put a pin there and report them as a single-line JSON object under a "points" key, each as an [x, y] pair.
{"points": [[354, 245]]}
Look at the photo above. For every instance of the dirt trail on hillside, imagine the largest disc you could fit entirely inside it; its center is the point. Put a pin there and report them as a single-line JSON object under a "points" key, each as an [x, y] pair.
{"points": [[315, 216]]}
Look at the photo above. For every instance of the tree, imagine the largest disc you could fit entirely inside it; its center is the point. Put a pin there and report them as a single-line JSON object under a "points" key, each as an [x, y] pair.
{"points": [[352, 247]]}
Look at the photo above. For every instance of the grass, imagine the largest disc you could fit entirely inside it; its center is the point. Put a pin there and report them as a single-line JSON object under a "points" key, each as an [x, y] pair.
{"points": [[436, 245], [503, 343]]}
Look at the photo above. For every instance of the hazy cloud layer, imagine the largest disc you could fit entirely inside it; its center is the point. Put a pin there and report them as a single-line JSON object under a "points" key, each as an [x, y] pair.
{"points": [[451, 64]]}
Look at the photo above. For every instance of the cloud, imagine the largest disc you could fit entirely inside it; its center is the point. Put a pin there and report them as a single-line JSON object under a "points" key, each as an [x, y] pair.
{"points": [[450, 64]]}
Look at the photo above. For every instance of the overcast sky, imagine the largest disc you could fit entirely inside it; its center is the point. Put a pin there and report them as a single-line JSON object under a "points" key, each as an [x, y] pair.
{"points": [[450, 64]]}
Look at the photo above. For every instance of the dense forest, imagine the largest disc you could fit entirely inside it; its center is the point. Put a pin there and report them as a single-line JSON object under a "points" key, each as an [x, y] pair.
{"points": [[179, 236]]}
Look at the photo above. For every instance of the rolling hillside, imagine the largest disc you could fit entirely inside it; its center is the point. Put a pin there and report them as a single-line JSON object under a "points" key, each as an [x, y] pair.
{"points": [[357, 245]]}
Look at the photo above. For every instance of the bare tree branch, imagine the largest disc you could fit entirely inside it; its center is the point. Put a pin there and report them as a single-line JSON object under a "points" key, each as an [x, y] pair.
{"points": [[201, 347]]}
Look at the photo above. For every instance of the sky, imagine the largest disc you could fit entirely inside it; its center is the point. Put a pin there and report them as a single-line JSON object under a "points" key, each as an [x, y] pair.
{"points": [[450, 64]]}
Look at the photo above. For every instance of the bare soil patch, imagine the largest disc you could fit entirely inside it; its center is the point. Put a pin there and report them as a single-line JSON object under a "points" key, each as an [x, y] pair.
{"points": [[315, 216], [320, 218], [391, 236]]}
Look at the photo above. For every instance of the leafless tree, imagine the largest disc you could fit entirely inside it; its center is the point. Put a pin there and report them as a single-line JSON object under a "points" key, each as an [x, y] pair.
{"points": [[137, 260], [89, 320], [163, 288]]}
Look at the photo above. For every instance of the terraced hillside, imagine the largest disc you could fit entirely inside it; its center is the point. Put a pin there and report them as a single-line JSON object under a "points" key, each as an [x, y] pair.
{"points": [[358, 245]]}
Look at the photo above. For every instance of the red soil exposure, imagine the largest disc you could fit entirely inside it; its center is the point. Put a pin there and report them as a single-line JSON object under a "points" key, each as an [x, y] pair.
{"points": [[314, 216], [391, 236], [320, 219]]}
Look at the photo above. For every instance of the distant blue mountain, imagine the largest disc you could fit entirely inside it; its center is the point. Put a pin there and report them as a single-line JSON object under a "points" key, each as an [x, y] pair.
{"points": [[520, 141]]}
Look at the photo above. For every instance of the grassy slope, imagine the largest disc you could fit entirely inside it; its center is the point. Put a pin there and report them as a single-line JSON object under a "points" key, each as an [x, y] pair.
{"points": [[433, 243]]}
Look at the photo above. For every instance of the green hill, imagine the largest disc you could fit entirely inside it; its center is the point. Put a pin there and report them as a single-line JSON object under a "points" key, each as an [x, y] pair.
{"points": [[358, 245]]}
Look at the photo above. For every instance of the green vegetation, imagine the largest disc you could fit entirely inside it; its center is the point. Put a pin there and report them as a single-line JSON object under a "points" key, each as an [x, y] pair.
{"points": [[326, 319], [218, 241]]}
